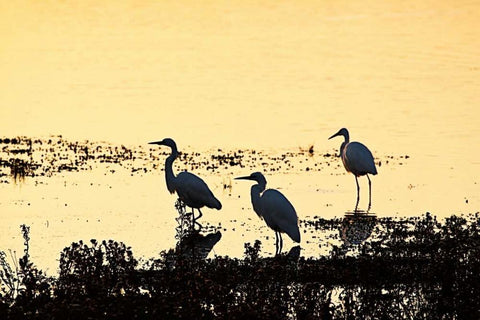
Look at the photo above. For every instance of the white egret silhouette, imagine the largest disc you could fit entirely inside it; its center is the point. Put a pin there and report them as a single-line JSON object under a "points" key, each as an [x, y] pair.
{"points": [[190, 189], [275, 209], [358, 160]]}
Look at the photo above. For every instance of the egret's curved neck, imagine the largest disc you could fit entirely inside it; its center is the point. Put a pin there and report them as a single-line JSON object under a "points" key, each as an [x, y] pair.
{"points": [[256, 194], [347, 140], [347, 137], [169, 176], [342, 147]]}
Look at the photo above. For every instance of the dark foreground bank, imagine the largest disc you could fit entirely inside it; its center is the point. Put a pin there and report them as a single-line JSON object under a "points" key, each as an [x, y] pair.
{"points": [[414, 269]]}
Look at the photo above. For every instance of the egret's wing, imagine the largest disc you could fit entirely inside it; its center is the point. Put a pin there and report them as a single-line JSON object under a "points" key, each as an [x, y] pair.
{"points": [[279, 214], [195, 191], [359, 159]]}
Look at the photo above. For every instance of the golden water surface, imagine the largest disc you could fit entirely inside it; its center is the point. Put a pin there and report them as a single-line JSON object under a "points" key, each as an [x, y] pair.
{"points": [[403, 76]]}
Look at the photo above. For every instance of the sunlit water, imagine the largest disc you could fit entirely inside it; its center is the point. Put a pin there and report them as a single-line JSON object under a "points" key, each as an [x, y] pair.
{"points": [[125, 197], [275, 78]]}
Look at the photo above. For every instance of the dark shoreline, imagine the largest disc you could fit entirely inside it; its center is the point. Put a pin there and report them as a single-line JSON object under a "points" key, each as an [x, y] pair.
{"points": [[414, 268]]}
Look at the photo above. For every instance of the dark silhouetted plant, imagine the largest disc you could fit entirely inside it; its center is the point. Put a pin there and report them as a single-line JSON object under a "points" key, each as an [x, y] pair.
{"points": [[101, 269], [25, 286]]}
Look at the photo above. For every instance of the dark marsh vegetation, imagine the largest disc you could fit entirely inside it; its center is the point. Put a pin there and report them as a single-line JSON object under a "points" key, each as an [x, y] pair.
{"points": [[414, 268]]}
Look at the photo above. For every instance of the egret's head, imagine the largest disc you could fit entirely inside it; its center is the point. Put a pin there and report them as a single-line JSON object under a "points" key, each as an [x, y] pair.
{"points": [[166, 142], [341, 132], [256, 176]]}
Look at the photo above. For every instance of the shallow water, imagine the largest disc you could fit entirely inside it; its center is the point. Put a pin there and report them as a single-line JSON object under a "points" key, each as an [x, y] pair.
{"points": [[271, 78], [89, 190]]}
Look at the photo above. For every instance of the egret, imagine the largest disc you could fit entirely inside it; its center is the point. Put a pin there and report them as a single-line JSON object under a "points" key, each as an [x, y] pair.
{"points": [[275, 209], [358, 160], [190, 189]]}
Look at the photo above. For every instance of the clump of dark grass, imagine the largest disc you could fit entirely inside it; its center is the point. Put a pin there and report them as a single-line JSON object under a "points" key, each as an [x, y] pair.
{"points": [[412, 269]]}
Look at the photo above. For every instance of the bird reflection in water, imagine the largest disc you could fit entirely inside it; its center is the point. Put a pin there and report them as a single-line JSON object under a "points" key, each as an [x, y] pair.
{"points": [[190, 242], [356, 227], [294, 253], [196, 245]]}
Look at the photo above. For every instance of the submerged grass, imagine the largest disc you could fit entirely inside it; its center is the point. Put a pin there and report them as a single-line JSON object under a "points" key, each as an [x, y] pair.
{"points": [[414, 269]]}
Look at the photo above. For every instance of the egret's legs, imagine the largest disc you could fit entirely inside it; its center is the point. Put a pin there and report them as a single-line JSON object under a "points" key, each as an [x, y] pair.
{"points": [[281, 242], [358, 193], [369, 193], [276, 243]]}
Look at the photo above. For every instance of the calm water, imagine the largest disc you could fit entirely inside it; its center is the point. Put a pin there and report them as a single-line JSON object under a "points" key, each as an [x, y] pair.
{"points": [[402, 76]]}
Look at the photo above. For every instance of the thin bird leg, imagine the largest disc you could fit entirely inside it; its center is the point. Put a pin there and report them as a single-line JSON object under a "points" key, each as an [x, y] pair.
{"points": [[199, 215], [369, 193], [276, 243], [358, 193], [281, 242]]}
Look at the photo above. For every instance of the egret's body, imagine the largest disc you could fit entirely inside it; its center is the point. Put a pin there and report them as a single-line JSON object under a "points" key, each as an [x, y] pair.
{"points": [[358, 160], [190, 189], [194, 192], [273, 207]]}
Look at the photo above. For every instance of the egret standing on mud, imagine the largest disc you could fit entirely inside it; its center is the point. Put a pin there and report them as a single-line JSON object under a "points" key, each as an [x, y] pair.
{"points": [[190, 189], [275, 209], [358, 160]]}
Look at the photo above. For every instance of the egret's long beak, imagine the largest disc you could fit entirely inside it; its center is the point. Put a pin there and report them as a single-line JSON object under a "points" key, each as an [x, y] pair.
{"points": [[244, 178], [336, 134], [156, 142]]}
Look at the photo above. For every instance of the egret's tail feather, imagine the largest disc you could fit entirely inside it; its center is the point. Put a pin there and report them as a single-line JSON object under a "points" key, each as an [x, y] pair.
{"points": [[215, 204], [294, 234]]}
